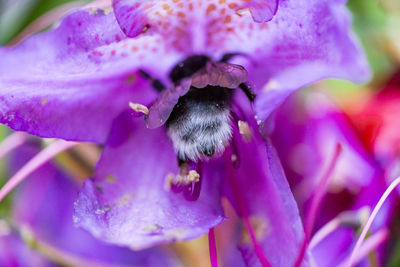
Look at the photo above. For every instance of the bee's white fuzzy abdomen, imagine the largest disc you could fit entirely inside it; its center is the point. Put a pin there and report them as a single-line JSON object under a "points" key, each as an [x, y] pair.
{"points": [[201, 132]]}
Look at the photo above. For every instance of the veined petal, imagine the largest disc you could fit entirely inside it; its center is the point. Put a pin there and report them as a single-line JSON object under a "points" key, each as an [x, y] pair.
{"points": [[126, 203], [259, 191], [72, 81]]}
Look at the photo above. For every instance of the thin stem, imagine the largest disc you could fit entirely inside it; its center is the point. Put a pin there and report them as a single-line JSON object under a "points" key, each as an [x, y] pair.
{"points": [[11, 142], [354, 253], [213, 248], [316, 201], [320, 192], [37, 161]]}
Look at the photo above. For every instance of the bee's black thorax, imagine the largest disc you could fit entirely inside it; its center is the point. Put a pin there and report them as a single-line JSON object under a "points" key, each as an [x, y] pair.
{"points": [[188, 67]]}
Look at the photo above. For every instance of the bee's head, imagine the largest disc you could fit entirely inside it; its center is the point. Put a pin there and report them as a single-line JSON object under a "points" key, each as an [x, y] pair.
{"points": [[188, 67]]}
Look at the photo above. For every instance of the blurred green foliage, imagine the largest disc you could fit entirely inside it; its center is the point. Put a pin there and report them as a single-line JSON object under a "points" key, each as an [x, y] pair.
{"points": [[375, 23], [370, 23], [15, 15]]}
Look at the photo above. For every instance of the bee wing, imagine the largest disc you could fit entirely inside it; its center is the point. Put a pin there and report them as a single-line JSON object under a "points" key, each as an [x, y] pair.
{"points": [[164, 104], [220, 74]]}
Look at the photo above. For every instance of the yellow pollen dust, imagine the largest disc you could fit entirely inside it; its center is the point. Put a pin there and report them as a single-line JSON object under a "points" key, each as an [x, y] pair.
{"points": [[244, 130], [139, 108]]}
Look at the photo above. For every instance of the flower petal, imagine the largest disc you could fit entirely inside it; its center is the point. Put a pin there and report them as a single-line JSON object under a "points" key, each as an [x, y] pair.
{"points": [[126, 203], [305, 42], [220, 74], [308, 128], [72, 81], [164, 104], [44, 204], [259, 191], [194, 27]]}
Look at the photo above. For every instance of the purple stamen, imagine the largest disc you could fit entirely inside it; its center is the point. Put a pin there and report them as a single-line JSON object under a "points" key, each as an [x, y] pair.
{"points": [[213, 248], [316, 202]]}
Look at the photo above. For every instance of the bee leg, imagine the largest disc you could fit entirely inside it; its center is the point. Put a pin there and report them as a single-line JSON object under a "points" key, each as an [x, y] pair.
{"points": [[156, 83], [248, 92], [228, 56], [181, 162]]}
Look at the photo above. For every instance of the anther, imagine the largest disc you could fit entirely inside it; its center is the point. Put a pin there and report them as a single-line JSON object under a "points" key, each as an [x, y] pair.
{"points": [[139, 108], [244, 130], [193, 176], [184, 178]]}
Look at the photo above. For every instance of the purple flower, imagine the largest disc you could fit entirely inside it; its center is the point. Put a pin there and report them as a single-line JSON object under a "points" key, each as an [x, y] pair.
{"points": [[308, 127], [76, 81]]}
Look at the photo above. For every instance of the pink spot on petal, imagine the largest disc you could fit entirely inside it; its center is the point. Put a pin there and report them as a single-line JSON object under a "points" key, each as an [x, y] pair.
{"points": [[97, 53]]}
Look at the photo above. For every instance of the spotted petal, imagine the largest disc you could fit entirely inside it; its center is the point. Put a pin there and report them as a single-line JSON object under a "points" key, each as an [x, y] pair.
{"points": [[136, 15], [126, 203], [305, 41], [72, 81]]}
